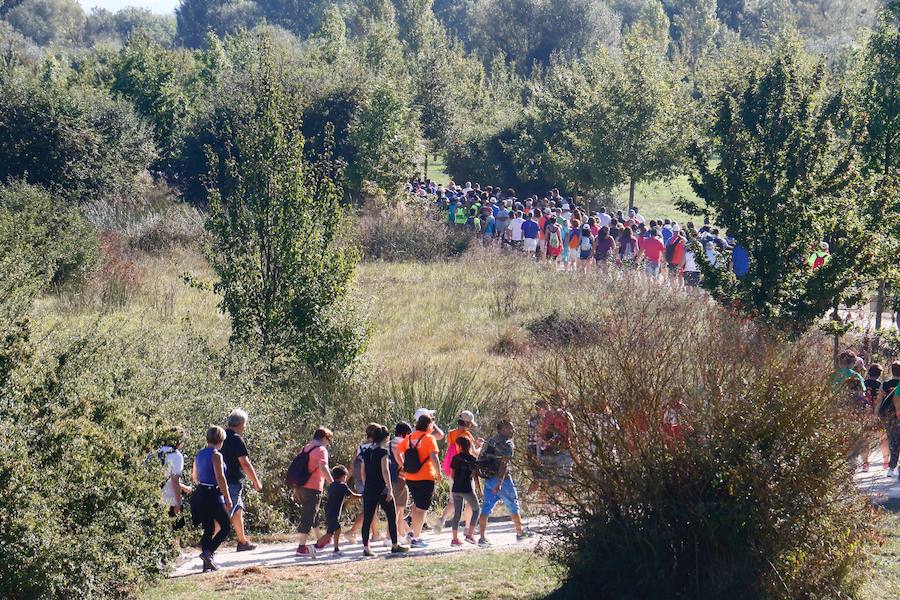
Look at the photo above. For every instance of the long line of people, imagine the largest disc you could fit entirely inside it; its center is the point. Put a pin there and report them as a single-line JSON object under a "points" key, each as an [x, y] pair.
{"points": [[553, 228], [395, 472]]}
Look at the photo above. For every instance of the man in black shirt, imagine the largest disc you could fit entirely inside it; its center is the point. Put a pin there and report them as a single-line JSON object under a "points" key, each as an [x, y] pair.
{"points": [[238, 466]]}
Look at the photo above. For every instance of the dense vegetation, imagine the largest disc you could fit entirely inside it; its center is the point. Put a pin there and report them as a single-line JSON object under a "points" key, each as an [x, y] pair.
{"points": [[184, 201]]}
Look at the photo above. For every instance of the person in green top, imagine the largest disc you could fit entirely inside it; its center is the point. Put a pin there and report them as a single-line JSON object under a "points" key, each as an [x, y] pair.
{"points": [[846, 361], [461, 214]]}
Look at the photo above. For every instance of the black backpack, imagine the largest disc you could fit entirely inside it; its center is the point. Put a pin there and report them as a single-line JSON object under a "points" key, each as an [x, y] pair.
{"points": [[298, 472], [887, 404], [411, 461], [670, 249], [488, 464]]}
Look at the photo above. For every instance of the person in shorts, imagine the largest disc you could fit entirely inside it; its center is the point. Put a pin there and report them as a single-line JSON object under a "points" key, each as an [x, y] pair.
{"points": [[338, 491], [530, 231], [421, 481], [309, 494], [173, 490], [495, 465], [398, 479], [238, 466]]}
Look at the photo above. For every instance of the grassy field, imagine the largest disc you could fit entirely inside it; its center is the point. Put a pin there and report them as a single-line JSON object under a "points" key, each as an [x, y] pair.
{"points": [[471, 575], [884, 583]]}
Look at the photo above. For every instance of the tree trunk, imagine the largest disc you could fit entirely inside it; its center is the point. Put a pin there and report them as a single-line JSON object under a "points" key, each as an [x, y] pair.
{"points": [[837, 337], [425, 174], [879, 306], [631, 187]]}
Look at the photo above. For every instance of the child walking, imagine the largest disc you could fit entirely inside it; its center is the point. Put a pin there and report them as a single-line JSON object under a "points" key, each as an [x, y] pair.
{"points": [[337, 492], [464, 469]]}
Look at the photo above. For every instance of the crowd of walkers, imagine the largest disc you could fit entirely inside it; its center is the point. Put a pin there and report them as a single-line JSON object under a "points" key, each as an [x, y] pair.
{"points": [[872, 393], [554, 228], [395, 472]]}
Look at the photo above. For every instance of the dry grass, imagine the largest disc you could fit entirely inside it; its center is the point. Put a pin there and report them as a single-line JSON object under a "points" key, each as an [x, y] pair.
{"points": [[473, 575]]}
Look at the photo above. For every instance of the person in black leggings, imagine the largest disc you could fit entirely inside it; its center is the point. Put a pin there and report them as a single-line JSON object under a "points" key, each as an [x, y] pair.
{"points": [[211, 502], [377, 490]]}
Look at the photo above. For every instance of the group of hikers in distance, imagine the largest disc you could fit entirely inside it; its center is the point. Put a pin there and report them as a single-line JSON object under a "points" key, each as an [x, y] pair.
{"points": [[554, 229], [395, 471]]}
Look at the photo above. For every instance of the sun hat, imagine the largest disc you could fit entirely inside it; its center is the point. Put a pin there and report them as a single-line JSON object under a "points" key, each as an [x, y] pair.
{"points": [[422, 411], [468, 417]]}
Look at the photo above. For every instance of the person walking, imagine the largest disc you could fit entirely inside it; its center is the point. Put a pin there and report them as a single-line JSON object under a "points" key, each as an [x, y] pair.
{"points": [[237, 467], [464, 472], [338, 491], [211, 503], [378, 490], [422, 469], [309, 493], [889, 412], [604, 245], [465, 423], [398, 479], [873, 396], [173, 490], [495, 465]]}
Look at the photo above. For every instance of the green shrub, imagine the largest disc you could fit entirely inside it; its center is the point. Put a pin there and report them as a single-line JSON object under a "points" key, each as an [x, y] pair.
{"points": [[79, 507], [410, 232], [55, 241], [78, 143], [755, 500]]}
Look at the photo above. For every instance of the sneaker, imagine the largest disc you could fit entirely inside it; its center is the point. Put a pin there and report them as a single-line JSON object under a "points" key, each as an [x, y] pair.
{"points": [[245, 547], [208, 563], [455, 543], [368, 552], [470, 539], [524, 535], [484, 543], [337, 553], [418, 543], [890, 473], [398, 549], [305, 551]]}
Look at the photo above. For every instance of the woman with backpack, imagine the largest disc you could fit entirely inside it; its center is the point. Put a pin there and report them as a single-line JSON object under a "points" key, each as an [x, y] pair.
{"points": [[573, 242], [377, 489], [604, 246], [211, 502], [422, 470], [554, 241], [356, 465], [307, 491], [585, 247]]}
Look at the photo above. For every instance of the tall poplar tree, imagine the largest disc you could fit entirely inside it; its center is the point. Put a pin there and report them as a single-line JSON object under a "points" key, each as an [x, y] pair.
{"points": [[275, 221]]}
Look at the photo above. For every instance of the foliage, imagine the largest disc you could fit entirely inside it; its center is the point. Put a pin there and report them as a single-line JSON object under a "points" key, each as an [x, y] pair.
{"points": [[76, 142], [410, 232], [118, 27], [274, 221], [786, 147], [79, 509], [54, 242], [754, 499], [48, 21], [637, 124]]}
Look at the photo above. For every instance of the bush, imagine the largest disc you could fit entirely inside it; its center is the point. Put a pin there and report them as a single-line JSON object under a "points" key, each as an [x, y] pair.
{"points": [[410, 232], [755, 499], [78, 143], [55, 241], [79, 507]]}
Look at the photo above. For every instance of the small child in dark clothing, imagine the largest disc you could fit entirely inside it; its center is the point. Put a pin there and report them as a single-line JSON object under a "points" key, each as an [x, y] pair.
{"points": [[337, 492]]}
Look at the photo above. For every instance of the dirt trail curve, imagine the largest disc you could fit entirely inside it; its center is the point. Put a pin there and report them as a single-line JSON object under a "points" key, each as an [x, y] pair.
{"points": [[502, 536]]}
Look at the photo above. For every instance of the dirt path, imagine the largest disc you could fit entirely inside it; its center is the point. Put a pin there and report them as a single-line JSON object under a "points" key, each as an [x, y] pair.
{"points": [[502, 536], [884, 492]]}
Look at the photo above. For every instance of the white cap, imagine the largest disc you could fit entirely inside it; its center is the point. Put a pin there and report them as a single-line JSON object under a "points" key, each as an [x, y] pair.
{"points": [[565, 206], [420, 412], [676, 228], [824, 246], [468, 417]]}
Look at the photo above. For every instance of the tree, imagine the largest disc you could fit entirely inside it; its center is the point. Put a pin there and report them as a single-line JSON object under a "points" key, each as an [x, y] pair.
{"points": [[48, 21], [635, 130], [274, 221], [76, 142], [787, 179], [879, 98]]}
